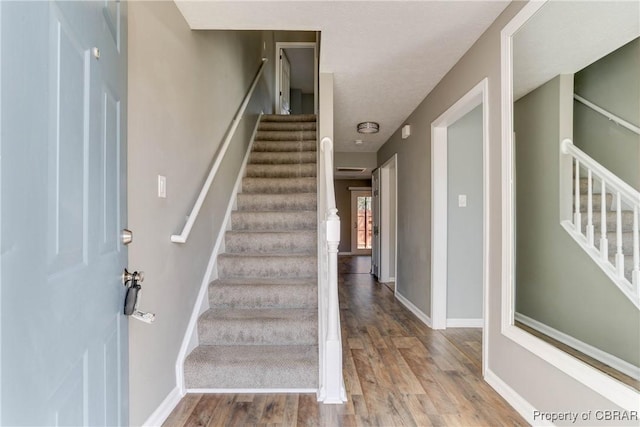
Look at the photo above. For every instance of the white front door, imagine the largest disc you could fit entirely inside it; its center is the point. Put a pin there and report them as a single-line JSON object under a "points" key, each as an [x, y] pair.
{"points": [[63, 206]]}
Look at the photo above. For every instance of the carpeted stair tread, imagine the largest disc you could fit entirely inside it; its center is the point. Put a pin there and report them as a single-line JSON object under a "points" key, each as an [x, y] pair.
{"points": [[294, 242], [271, 265], [252, 367], [288, 118], [596, 200], [281, 171], [279, 185], [258, 326], [274, 220], [611, 218], [612, 240], [283, 157], [263, 293], [628, 264], [274, 202], [288, 126], [278, 135], [286, 146]]}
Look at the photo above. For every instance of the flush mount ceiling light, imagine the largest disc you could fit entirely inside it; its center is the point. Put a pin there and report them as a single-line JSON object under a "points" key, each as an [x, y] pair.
{"points": [[368, 127]]}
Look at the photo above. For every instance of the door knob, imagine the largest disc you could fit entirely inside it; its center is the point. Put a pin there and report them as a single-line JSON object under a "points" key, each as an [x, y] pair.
{"points": [[129, 279]]}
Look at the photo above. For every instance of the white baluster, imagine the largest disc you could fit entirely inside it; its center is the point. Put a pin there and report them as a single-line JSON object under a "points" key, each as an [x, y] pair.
{"points": [[604, 242], [577, 220], [635, 277], [619, 254], [589, 208]]}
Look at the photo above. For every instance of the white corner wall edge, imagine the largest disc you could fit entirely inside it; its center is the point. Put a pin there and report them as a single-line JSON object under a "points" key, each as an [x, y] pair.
{"points": [[162, 412], [604, 357], [190, 340], [412, 308], [519, 403], [465, 323]]}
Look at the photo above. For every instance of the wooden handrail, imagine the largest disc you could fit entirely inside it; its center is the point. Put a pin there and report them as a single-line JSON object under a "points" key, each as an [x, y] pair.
{"points": [[184, 235]]}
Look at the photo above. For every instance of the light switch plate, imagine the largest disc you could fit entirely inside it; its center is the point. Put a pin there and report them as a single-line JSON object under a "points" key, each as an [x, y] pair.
{"points": [[162, 187], [462, 200]]}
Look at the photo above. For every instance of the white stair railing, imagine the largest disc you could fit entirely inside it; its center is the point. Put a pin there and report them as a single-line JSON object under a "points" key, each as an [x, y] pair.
{"points": [[331, 379], [195, 210], [624, 267]]}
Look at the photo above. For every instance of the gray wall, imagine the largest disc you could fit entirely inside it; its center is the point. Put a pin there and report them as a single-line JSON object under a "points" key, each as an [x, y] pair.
{"points": [[464, 224], [184, 89], [308, 103], [343, 204], [552, 272], [612, 83], [538, 382], [296, 101]]}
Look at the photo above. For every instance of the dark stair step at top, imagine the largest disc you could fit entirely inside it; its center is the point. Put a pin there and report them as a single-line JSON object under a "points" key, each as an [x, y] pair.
{"points": [[289, 118]]}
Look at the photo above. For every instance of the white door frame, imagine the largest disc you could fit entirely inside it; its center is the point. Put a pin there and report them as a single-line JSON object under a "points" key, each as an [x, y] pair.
{"points": [[354, 210], [389, 167], [297, 45], [477, 96]]}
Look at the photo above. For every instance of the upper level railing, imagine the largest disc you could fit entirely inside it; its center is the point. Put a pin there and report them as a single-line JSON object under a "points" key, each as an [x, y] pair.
{"points": [[618, 204], [607, 114], [184, 235]]}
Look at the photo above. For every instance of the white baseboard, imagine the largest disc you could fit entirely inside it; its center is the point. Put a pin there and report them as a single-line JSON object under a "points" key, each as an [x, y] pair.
{"points": [[252, 390], [190, 340], [522, 406], [163, 411], [465, 323], [415, 310], [591, 351]]}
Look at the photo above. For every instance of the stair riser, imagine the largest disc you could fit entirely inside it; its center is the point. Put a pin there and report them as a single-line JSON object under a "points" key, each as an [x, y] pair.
{"points": [[627, 221], [281, 171], [288, 118], [596, 201], [270, 370], [302, 220], [276, 202], [259, 331], [279, 243], [281, 158], [627, 243], [279, 185], [274, 267], [287, 126], [274, 135], [283, 146], [263, 296]]}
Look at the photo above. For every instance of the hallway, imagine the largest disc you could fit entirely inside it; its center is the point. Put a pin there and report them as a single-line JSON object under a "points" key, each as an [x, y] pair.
{"points": [[397, 372]]}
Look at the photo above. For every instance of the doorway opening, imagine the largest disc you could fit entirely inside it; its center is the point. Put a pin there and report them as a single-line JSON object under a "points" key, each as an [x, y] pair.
{"points": [[459, 191], [386, 221], [296, 78], [362, 218]]}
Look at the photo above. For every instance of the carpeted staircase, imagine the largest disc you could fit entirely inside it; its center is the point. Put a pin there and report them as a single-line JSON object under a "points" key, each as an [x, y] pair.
{"points": [[261, 331], [610, 213]]}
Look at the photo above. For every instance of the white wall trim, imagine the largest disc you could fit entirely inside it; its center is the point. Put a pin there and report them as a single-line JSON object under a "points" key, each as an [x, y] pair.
{"points": [[296, 45], [602, 356], [412, 308], [190, 340], [162, 412], [478, 95], [465, 323], [384, 223], [519, 403], [251, 390], [597, 381]]}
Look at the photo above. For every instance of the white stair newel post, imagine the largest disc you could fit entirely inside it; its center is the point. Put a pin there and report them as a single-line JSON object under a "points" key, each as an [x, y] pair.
{"points": [[604, 243], [619, 254], [577, 220], [636, 254], [333, 240], [589, 208]]}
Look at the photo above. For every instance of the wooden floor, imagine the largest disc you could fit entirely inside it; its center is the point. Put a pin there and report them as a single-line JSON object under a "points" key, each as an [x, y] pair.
{"points": [[398, 372]]}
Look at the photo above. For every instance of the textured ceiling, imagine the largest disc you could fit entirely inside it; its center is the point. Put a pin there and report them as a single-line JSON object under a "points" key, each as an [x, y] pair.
{"points": [[385, 56], [550, 43]]}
